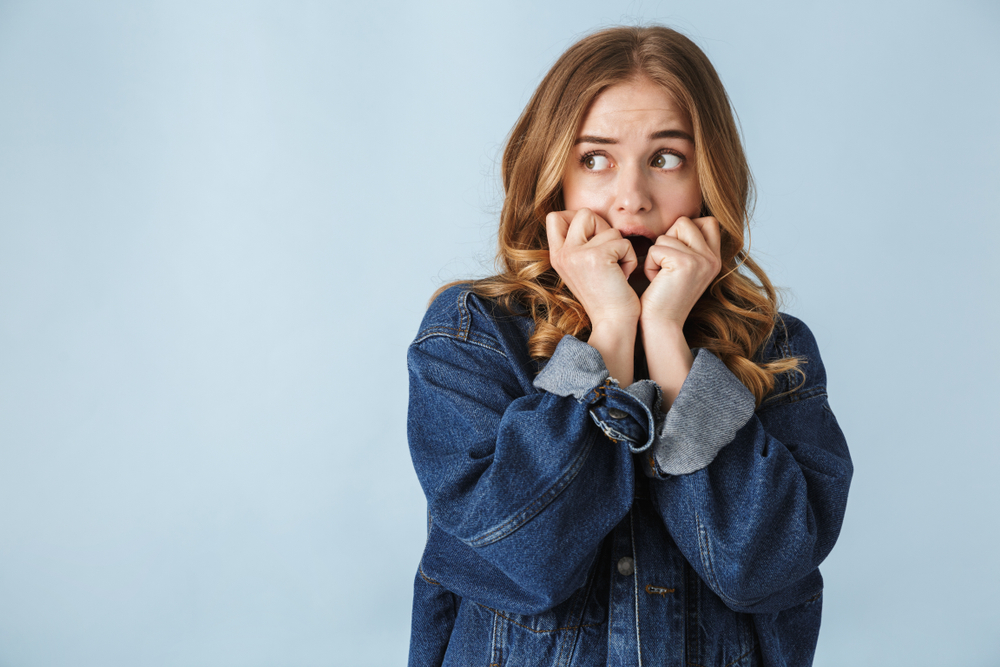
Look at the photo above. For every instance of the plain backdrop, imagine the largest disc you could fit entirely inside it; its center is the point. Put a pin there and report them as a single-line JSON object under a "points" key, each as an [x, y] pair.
{"points": [[220, 224]]}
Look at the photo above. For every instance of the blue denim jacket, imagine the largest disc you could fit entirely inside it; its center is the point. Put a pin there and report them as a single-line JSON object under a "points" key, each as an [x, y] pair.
{"points": [[570, 522]]}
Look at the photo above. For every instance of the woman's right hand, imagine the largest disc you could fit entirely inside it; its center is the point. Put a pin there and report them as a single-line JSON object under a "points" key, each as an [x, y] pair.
{"points": [[595, 261]]}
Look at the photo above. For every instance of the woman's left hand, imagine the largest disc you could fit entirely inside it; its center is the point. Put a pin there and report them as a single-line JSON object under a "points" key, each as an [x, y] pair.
{"points": [[680, 266]]}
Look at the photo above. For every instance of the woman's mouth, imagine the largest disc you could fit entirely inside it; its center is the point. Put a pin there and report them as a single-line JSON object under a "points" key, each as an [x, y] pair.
{"points": [[641, 245]]}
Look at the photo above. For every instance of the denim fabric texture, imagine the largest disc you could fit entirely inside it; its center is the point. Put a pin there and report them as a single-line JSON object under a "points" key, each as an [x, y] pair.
{"points": [[571, 522]]}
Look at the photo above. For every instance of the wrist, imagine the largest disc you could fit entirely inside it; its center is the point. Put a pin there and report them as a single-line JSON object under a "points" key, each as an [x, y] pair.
{"points": [[618, 327], [615, 341], [668, 358], [662, 330]]}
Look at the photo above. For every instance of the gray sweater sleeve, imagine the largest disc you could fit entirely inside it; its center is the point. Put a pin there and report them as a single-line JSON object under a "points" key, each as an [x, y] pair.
{"points": [[575, 368], [711, 407]]}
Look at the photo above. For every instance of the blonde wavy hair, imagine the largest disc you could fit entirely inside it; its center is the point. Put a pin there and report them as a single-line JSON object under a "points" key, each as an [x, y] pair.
{"points": [[737, 313]]}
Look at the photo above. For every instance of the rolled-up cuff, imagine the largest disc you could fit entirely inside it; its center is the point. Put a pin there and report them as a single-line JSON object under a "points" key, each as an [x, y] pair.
{"points": [[711, 407], [624, 415], [574, 369]]}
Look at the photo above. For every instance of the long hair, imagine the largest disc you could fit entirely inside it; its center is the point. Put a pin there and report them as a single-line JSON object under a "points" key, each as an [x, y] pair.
{"points": [[737, 313]]}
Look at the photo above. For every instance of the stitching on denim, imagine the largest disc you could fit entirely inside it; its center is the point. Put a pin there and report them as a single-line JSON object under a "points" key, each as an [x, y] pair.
{"points": [[635, 588], [613, 434], [426, 578], [450, 332], [540, 503], [429, 332], [652, 463], [706, 559], [463, 313], [530, 629], [475, 341], [493, 643], [652, 589], [703, 551], [815, 597], [599, 392], [502, 648]]}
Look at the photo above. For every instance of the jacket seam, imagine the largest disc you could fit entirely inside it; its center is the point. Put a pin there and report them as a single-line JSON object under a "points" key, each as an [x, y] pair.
{"points": [[429, 580], [706, 559], [462, 331], [456, 334], [513, 523]]}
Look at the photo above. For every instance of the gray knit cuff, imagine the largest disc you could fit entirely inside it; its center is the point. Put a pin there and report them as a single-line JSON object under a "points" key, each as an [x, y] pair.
{"points": [[574, 369], [711, 407], [624, 415]]}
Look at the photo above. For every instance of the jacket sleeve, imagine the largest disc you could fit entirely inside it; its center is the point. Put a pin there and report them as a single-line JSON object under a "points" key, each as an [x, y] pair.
{"points": [[754, 499], [521, 484]]}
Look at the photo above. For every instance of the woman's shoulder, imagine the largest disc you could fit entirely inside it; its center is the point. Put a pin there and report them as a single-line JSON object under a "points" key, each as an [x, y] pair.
{"points": [[459, 312], [789, 338]]}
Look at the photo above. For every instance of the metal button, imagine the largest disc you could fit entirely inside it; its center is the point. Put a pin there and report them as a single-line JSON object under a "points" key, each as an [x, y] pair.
{"points": [[617, 414], [626, 566]]}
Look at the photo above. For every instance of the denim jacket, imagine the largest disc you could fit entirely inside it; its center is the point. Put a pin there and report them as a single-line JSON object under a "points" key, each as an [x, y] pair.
{"points": [[571, 522]]}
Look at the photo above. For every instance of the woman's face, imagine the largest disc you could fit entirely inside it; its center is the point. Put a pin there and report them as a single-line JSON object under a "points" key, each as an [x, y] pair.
{"points": [[633, 162]]}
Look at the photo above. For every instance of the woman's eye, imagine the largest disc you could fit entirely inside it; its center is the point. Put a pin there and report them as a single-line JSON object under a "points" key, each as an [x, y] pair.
{"points": [[595, 162], [666, 161]]}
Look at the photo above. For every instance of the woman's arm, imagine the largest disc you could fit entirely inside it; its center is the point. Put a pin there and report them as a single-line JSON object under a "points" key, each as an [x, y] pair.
{"points": [[595, 262], [754, 500], [520, 482], [679, 266]]}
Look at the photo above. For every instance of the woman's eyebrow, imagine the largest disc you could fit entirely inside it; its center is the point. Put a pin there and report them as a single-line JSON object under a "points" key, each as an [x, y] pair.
{"points": [[672, 134], [661, 134], [590, 139]]}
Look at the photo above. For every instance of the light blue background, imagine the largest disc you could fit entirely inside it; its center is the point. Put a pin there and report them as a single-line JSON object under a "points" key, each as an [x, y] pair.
{"points": [[220, 223]]}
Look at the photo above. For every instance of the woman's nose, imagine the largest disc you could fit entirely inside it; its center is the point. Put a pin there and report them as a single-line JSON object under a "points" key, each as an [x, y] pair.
{"points": [[633, 192]]}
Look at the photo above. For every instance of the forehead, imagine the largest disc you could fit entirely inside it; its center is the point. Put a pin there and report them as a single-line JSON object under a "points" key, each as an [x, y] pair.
{"points": [[638, 104]]}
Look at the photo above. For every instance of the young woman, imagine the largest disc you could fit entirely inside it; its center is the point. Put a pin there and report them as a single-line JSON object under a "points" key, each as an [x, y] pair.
{"points": [[627, 452]]}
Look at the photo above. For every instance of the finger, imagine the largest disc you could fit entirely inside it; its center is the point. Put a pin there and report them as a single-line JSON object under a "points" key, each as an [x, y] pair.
{"points": [[584, 226], [556, 226], [605, 236], [686, 231], [600, 224], [627, 258], [667, 253], [712, 232], [664, 242]]}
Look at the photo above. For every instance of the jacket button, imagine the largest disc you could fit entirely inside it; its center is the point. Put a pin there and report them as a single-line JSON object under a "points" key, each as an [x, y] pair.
{"points": [[615, 413], [626, 566]]}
